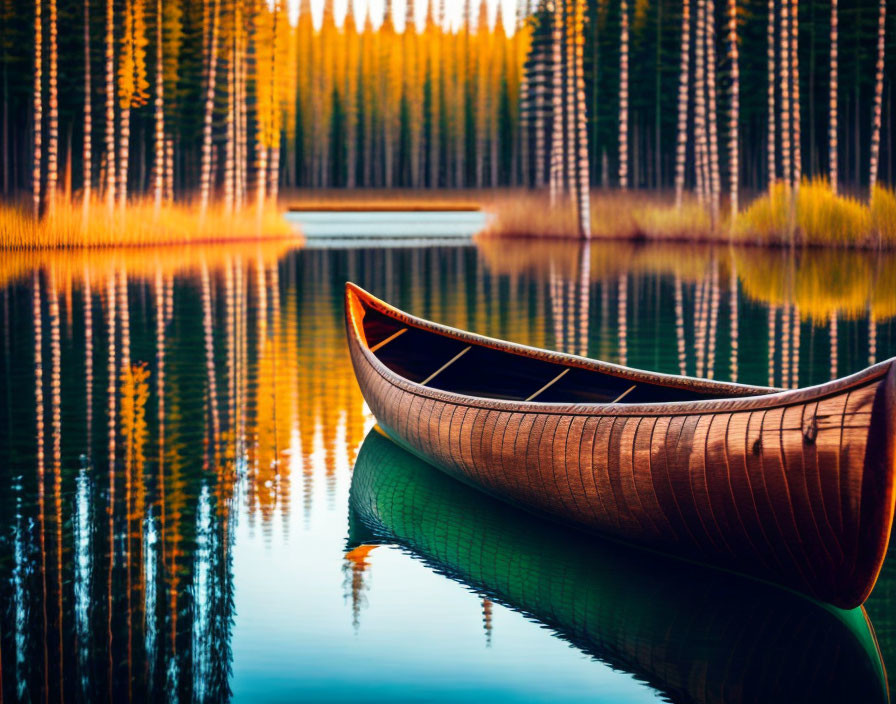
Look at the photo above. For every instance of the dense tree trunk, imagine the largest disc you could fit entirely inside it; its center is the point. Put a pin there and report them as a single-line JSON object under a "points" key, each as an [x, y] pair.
{"points": [[785, 78], [712, 116], [700, 128], [205, 178], [559, 158], [623, 95], [772, 111], [733, 111], [87, 159], [795, 79], [832, 100], [38, 107], [582, 185], [878, 96], [158, 163], [110, 105], [681, 144], [230, 126], [53, 112]]}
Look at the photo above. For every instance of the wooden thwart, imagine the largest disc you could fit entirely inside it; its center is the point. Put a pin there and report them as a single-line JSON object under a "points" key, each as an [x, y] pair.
{"points": [[548, 385], [623, 394], [387, 340], [446, 365]]}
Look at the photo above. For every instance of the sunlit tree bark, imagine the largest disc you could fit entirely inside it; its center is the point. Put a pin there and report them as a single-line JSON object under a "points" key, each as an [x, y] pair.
{"points": [[53, 112], [733, 111], [38, 107], [230, 119], [681, 144], [832, 99], [785, 80], [211, 64], [795, 82], [583, 179], [878, 95], [559, 159], [87, 158], [623, 95], [274, 130], [159, 141], [772, 111], [701, 145], [712, 113], [110, 105]]}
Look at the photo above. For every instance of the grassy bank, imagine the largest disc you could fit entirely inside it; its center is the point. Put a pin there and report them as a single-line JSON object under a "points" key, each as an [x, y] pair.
{"points": [[139, 224], [810, 215], [813, 215]]}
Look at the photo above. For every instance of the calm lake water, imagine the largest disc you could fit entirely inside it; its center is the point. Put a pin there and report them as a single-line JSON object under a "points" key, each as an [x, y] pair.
{"points": [[196, 506]]}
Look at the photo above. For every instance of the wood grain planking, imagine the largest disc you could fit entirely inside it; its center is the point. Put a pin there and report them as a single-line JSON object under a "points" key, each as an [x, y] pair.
{"points": [[773, 489]]}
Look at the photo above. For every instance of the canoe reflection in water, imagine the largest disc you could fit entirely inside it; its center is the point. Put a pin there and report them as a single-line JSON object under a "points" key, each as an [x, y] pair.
{"points": [[694, 634]]}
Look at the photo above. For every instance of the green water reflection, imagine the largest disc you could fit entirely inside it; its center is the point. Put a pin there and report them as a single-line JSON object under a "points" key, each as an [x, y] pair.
{"points": [[694, 635], [178, 430]]}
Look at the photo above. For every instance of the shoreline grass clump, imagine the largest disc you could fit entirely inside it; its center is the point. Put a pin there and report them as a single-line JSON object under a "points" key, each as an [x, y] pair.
{"points": [[138, 224], [814, 215], [629, 215]]}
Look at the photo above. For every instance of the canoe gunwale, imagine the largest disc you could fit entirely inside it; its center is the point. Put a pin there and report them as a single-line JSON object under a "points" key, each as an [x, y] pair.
{"points": [[744, 397], [773, 468]]}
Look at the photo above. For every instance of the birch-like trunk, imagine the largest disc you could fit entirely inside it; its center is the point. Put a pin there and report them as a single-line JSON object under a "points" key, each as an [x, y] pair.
{"points": [[230, 129], [87, 158], [242, 139], [700, 142], [772, 112], [541, 70], [878, 96], [38, 106], [733, 111], [53, 112], [558, 134], [832, 100], [712, 116], [124, 145], [785, 77], [205, 177], [795, 95], [158, 163], [110, 105], [583, 179], [681, 144], [623, 95]]}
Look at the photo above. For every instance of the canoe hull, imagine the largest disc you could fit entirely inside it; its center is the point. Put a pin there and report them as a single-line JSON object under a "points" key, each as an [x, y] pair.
{"points": [[795, 487], [696, 635]]}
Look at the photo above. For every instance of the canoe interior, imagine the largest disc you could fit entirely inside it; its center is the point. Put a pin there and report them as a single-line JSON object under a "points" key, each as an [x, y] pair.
{"points": [[482, 371]]}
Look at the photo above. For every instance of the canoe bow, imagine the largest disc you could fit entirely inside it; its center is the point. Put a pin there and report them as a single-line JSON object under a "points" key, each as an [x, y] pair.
{"points": [[794, 487]]}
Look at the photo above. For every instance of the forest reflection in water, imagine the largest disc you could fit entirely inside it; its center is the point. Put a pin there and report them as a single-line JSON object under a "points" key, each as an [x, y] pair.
{"points": [[154, 400]]}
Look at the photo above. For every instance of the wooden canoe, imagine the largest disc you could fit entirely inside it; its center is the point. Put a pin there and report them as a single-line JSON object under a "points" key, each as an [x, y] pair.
{"points": [[693, 634], [795, 487]]}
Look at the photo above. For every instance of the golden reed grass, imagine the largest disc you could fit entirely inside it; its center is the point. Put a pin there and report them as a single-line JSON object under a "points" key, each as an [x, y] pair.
{"points": [[138, 224], [629, 215], [814, 215], [810, 215]]}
